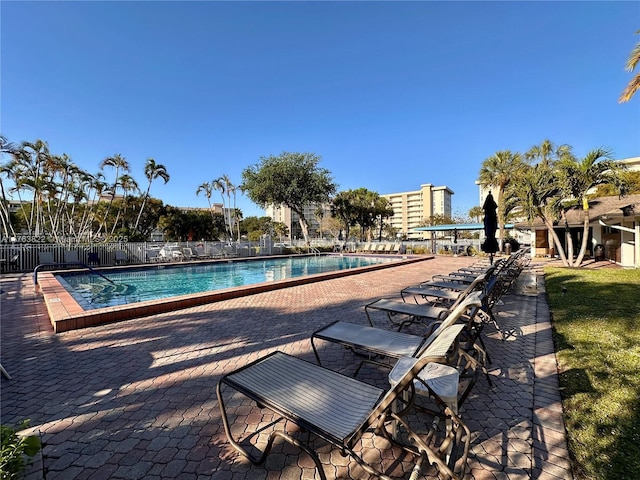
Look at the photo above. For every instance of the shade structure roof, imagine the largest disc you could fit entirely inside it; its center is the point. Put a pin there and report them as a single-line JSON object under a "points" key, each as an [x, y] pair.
{"points": [[455, 226]]}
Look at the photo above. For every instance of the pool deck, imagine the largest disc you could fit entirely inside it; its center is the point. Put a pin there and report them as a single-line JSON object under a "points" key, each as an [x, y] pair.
{"points": [[136, 399]]}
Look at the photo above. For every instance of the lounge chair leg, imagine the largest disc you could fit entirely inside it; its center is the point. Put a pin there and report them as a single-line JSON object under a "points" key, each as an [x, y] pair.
{"points": [[272, 437], [5, 373]]}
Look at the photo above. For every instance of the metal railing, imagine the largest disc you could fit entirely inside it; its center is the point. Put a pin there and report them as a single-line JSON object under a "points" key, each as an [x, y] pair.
{"points": [[72, 264], [104, 254]]}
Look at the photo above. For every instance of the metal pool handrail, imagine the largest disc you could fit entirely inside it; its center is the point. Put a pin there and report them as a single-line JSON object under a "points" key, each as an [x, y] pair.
{"points": [[35, 270]]}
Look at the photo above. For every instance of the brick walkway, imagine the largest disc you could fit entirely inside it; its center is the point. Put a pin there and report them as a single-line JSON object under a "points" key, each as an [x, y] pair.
{"points": [[136, 399]]}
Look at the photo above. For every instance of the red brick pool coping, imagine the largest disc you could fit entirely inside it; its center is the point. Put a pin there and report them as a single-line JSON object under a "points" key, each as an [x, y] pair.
{"points": [[66, 314]]}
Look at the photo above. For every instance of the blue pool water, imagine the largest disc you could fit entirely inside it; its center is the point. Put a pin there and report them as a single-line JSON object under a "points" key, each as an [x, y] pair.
{"points": [[155, 282]]}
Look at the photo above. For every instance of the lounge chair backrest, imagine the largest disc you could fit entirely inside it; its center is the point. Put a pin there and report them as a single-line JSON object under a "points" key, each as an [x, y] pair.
{"points": [[46, 257], [473, 301], [71, 256], [480, 280]]}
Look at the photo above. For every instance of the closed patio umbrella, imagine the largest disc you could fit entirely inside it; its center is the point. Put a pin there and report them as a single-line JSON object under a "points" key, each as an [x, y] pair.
{"points": [[490, 208]]}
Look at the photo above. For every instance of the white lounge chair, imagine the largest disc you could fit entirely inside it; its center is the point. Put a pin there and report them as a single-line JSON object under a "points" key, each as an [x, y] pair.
{"points": [[187, 253], [153, 255]]}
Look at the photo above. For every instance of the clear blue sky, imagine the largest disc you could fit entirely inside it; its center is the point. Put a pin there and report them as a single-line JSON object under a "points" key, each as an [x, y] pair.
{"points": [[391, 95]]}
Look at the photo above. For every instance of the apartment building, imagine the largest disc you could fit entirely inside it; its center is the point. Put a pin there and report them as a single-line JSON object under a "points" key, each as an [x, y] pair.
{"points": [[283, 214], [412, 209]]}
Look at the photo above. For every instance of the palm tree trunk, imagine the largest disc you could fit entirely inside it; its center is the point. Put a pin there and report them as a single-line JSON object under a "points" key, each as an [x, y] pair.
{"points": [[144, 201], [585, 239], [556, 241]]}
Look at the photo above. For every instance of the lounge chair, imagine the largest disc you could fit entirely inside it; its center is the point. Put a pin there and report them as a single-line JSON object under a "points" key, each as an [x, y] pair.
{"points": [[229, 252], [200, 252], [46, 258], [153, 255], [187, 253], [121, 257], [366, 341], [71, 256], [422, 312], [409, 313], [434, 296], [12, 264], [170, 253], [93, 259], [340, 409]]}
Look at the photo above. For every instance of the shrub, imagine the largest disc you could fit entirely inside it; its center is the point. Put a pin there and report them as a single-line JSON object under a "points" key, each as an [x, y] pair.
{"points": [[14, 450]]}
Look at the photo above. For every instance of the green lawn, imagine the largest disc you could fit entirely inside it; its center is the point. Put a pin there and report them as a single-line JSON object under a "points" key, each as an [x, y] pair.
{"points": [[597, 336]]}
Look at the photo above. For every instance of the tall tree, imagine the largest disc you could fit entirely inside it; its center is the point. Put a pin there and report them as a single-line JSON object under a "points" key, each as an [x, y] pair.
{"points": [[291, 179], [634, 83], [496, 172], [344, 209], [152, 171]]}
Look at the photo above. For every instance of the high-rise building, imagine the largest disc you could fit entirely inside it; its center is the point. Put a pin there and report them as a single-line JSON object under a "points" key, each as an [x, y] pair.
{"points": [[413, 209], [283, 214]]}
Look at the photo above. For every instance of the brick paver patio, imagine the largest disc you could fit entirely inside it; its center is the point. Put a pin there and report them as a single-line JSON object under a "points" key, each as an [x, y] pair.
{"points": [[136, 399]]}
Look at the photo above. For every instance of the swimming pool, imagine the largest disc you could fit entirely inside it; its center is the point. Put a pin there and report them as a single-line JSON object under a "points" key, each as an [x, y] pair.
{"points": [[125, 300], [157, 282]]}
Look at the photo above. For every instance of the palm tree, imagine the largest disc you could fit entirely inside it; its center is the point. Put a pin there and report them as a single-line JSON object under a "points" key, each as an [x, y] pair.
{"points": [[128, 185], [152, 170], [231, 190], [577, 178], [220, 185], [91, 188], [30, 172], [62, 172], [546, 156], [547, 152], [118, 162], [634, 83], [476, 213], [497, 171], [5, 170], [538, 195], [206, 188]]}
